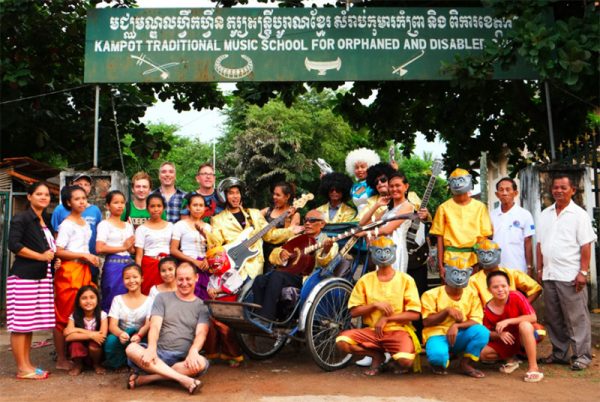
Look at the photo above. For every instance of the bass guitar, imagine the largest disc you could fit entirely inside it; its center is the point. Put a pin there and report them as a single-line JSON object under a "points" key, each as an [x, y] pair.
{"points": [[418, 253], [301, 248], [239, 251]]}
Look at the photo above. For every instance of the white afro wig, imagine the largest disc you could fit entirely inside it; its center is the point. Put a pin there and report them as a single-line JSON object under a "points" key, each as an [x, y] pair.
{"points": [[360, 155]]}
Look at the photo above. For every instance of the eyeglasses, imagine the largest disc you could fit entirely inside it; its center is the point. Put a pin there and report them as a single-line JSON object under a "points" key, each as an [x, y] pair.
{"points": [[312, 220], [206, 174], [331, 190], [381, 179]]}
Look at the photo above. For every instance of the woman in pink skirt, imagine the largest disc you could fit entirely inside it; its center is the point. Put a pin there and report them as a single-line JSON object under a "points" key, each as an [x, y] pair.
{"points": [[29, 293]]}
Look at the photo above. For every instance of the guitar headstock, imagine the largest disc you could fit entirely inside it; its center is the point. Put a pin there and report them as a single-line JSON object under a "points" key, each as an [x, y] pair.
{"points": [[436, 167], [301, 202]]}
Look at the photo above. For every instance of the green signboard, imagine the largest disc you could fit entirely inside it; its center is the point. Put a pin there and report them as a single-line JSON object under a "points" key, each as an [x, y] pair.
{"points": [[286, 44]]}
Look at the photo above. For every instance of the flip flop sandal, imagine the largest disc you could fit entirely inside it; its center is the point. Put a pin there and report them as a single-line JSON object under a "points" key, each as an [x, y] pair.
{"points": [[578, 366], [533, 376], [439, 370], [551, 360], [373, 371], [37, 374], [474, 373], [196, 387], [40, 344], [509, 367], [132, 381]]}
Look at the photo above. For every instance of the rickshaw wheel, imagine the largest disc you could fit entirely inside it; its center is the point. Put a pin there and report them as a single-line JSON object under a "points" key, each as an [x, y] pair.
{"points": [[327, 317], [258, 346]]}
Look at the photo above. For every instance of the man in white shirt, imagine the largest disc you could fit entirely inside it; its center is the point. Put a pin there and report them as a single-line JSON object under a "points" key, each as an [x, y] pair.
{"points": [[513, 228], [564, 249]]}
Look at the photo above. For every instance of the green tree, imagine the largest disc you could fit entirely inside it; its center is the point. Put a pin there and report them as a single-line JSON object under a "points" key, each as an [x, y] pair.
{"points": [[41, 51], [186, 153], [272, 143]]}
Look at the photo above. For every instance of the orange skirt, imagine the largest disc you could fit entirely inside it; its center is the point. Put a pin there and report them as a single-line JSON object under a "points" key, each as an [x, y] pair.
{"points": [[68, 279]]}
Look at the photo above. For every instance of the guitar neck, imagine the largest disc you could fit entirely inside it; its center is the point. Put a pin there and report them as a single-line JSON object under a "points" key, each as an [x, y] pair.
{"points": [[263, 231], [428, 192], [353, 231]]}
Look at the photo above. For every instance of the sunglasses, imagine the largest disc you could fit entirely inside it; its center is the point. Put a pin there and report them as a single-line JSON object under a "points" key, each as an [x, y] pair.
{"points": [[381, 179], [312, 220]]}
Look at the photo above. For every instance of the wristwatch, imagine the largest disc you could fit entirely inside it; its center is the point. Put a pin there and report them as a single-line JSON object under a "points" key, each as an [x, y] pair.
{"points": [[584, 273]]}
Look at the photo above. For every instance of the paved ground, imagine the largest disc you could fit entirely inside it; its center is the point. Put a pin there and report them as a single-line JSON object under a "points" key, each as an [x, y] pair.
{"points": [[292, 376]]}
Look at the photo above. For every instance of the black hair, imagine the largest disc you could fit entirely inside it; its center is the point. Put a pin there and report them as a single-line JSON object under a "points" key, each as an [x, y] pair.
{"points": [[336, 180], [190, 196], [33, 187], [158, 197], [78, 313], [378, 170], [111, 195], [132, 266], [508, 179], [398, 174], [66, 193], [492, 274], [286, 189], [166, 260], [559, 176]]}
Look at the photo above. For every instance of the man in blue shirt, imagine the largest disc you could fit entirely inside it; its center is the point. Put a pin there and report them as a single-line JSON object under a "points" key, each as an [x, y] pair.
{"points": [[92, 216]]}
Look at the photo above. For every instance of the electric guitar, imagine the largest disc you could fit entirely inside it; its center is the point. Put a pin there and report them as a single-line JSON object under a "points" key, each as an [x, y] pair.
{"points": [[239, 250], [418, 253]]}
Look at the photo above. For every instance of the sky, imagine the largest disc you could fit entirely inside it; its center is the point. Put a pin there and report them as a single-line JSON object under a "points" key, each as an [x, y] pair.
{"points": [[207, 125]]}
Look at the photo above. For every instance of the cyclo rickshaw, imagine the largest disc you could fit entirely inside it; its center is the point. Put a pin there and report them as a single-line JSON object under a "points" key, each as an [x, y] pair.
{"points": [[314, 314]]}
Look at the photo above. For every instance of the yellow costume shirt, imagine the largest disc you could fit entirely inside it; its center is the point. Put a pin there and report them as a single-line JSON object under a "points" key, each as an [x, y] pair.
{"points": [[371, 201], [343, 214], [401, 292], [435, 300], [518, 280], [461, 226], [226, 229]]}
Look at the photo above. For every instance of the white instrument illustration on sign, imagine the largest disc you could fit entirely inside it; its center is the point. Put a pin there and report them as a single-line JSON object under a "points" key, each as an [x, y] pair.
{"points": [[162, 67], [233, 73], [323, 66], [401, 70]]}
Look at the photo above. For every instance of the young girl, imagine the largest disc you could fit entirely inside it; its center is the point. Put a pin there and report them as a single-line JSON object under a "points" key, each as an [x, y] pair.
{"points": [[128, 319], [74, 272], [86, 331], [152, 241], [167, 267], [189, 241], [115, 239]]}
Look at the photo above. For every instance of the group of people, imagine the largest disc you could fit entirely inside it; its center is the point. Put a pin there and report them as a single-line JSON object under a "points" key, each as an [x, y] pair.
{"points": [[165, 251]]}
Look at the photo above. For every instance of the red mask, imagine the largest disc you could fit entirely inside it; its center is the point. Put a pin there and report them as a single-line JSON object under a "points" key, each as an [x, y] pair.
{"points": [[218, 264]]}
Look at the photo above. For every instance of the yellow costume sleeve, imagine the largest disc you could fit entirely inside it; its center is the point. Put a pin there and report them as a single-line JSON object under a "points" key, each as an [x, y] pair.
{"points": [[474, 306], [524, 282]]}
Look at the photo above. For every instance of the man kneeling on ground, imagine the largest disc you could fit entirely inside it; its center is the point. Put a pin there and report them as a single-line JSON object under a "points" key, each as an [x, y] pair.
{"points": [[388, 301], [178, 329]]}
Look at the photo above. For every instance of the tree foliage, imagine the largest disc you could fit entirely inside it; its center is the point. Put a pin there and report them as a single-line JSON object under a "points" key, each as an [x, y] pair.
{"points": [[42, 51], [273, 143]]}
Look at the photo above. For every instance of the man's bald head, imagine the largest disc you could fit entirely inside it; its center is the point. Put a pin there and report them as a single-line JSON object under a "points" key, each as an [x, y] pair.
{"points": [[314, 221]]}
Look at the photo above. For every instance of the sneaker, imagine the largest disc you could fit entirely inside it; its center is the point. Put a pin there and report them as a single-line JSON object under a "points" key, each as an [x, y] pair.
{"points": [[366, 361]]}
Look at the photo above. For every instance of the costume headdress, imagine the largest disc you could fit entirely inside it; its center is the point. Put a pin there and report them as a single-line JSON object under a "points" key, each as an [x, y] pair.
{"points": [[383, 251], [488, 254], [376, 171], [336, 180], [218, 262], [460, 182], [360, 155]]}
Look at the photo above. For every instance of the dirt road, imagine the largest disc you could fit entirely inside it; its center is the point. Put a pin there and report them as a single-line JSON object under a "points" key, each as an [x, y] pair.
{"points": [[292, 376]]}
